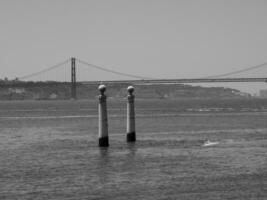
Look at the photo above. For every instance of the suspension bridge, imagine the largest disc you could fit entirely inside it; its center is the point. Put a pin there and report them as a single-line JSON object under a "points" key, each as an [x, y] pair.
{"points": [[136, 79]]}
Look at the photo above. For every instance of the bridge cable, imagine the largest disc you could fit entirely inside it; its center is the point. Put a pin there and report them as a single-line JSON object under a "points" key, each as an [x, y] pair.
{"points": [[131, 75], [237, 72], [112, 71], [44, 70]]}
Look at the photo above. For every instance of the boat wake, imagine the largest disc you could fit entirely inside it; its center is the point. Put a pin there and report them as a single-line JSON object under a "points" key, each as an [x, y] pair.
{"points": [[209, 143]]}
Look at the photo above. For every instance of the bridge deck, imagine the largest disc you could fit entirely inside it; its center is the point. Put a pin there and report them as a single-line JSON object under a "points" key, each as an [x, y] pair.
{"points": [[173, 81]]}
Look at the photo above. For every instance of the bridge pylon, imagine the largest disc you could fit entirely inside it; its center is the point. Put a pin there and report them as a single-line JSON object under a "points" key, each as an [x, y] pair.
{"points": [[73, 78]]}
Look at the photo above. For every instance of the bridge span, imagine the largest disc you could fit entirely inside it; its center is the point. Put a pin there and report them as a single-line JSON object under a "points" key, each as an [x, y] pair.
{"points": [[135, 79], [178, 81]]}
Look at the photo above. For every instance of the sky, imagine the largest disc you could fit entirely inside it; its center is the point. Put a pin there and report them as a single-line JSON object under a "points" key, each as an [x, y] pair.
{"points": [[150, 38]]}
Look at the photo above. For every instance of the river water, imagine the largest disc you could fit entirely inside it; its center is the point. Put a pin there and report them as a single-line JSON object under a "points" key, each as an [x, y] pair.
{"points": [[49, 150]]}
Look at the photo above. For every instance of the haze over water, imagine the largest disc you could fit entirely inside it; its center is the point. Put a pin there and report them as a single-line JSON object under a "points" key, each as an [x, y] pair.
{"points": [[48, 150]]}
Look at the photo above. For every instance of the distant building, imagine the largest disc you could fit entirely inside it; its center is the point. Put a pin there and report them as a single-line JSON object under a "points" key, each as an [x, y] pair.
{"points": [[263, 93], [16, 90], [53, 96], [242, 94], [16, 93]]}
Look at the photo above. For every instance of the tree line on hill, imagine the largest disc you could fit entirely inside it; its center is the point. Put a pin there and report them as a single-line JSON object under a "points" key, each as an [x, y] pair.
{"points": [[23, 90]]}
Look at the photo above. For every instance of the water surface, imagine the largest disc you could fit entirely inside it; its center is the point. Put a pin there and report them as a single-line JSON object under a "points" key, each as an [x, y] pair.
{"points": [[48, 150]]}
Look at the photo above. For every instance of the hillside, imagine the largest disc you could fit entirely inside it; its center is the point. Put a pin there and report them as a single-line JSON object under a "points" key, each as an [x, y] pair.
{"points": [[17, 90]]}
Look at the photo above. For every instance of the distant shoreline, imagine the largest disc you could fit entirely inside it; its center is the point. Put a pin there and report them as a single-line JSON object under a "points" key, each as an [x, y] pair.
{"points": [[20, 90]]}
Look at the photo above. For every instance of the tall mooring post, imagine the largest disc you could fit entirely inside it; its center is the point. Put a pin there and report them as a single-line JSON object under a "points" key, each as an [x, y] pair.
{"points": [[73, 78], [131, 137], [103, 118]]}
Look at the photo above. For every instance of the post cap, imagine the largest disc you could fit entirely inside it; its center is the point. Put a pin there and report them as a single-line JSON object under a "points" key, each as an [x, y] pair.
{"points": [[102, 88], [130, 89]]}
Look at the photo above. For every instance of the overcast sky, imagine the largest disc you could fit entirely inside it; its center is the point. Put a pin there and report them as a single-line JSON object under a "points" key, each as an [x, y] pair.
{"points": [[151, 38]]}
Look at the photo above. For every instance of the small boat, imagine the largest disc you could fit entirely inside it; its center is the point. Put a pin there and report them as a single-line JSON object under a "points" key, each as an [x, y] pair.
{"points": [[209, 143]]}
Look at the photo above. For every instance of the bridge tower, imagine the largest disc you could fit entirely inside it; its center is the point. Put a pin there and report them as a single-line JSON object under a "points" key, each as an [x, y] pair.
{"points": [[73, 78]]}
